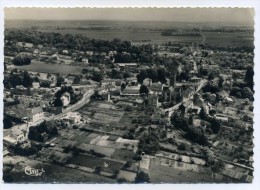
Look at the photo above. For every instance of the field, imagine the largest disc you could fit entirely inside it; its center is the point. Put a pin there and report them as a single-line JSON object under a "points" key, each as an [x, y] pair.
{"points": [[155, 37], [161, 172], [36, 66], [138, 31], [92, 162], [108, 112], [54, 173], [229, 39]]}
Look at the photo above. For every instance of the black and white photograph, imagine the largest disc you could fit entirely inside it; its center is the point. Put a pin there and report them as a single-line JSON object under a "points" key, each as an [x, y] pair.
{"points": [[128, 95]]}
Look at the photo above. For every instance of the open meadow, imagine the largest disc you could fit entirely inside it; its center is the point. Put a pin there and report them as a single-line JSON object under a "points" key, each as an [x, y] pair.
{"points": [[62, 69]]}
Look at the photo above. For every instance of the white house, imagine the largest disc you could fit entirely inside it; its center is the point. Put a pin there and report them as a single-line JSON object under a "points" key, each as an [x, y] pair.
{"points": [[36, 114], [65, 51], [36, 85], [65, 98]]}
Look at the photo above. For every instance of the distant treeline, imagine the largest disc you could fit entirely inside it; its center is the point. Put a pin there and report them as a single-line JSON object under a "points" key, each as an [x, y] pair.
{"points": [[197, 31], [180, 33]]}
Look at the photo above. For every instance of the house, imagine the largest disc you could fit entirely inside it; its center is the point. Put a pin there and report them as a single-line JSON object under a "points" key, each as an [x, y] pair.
{"points": [[221, 117], [74, 117], [156, 88], [222, 95], [187, 93], [127, 64], [17, 134], [89, 53], [36, 114], [132, 81], [147, 81], [131, 91], [55, 57], [198, 100], [106, 82], [85, 60], [65, 98], [6, 153], [36, 85], [20, 87], [111, 87], [65, 51], [36, 52]]}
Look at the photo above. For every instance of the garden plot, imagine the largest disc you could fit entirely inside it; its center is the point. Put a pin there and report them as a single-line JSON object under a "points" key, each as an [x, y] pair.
{"points": [[107, 117], [93, 162], [65, 143], [102, 110], [122, 154], [99, 149], [128, 144], [106, 106]]}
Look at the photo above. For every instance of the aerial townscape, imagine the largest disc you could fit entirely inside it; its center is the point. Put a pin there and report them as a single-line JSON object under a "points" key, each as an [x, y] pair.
{"points": [[127, 102]]}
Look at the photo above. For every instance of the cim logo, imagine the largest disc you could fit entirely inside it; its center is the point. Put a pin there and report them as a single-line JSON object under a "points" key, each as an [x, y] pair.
{"points": [[33, 172]]}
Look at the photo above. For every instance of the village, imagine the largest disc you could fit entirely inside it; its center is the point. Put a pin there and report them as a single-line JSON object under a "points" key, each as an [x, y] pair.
{"points": [[175, 112]]}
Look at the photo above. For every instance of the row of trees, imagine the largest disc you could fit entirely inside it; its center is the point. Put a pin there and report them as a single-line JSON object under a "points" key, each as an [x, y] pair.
{"points": [[21, 60], [155, 75], [79, 42], [21, 78]]}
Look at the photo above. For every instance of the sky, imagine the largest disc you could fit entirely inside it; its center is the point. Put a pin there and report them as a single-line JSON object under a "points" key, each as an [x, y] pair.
{"points": [[222, 15]]}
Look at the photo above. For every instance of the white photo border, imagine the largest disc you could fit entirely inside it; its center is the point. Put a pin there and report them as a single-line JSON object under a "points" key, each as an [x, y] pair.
{"points": [[145, 3]]}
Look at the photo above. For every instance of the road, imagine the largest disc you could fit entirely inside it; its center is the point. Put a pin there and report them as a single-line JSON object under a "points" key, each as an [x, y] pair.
{"points": [[85, 99], [175, 107]]}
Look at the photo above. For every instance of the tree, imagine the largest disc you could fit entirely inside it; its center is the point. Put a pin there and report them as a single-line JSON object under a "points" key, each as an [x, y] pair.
{"points": [[115, 74], [215, 125], [182, 109], [97, 76], [142, 177], [7, 122], [153, 74], [202, 113], [249, 77], [141, 76], [57, 102], [27, 80], [21, 60], [35, 135], [123, 86], [161, 75], [191, 120], [220, 82], [60, 80], [126, 75], [182, 146], [247, 93], [98, 169], [144, 90], [115, 173], [76, 79]]}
